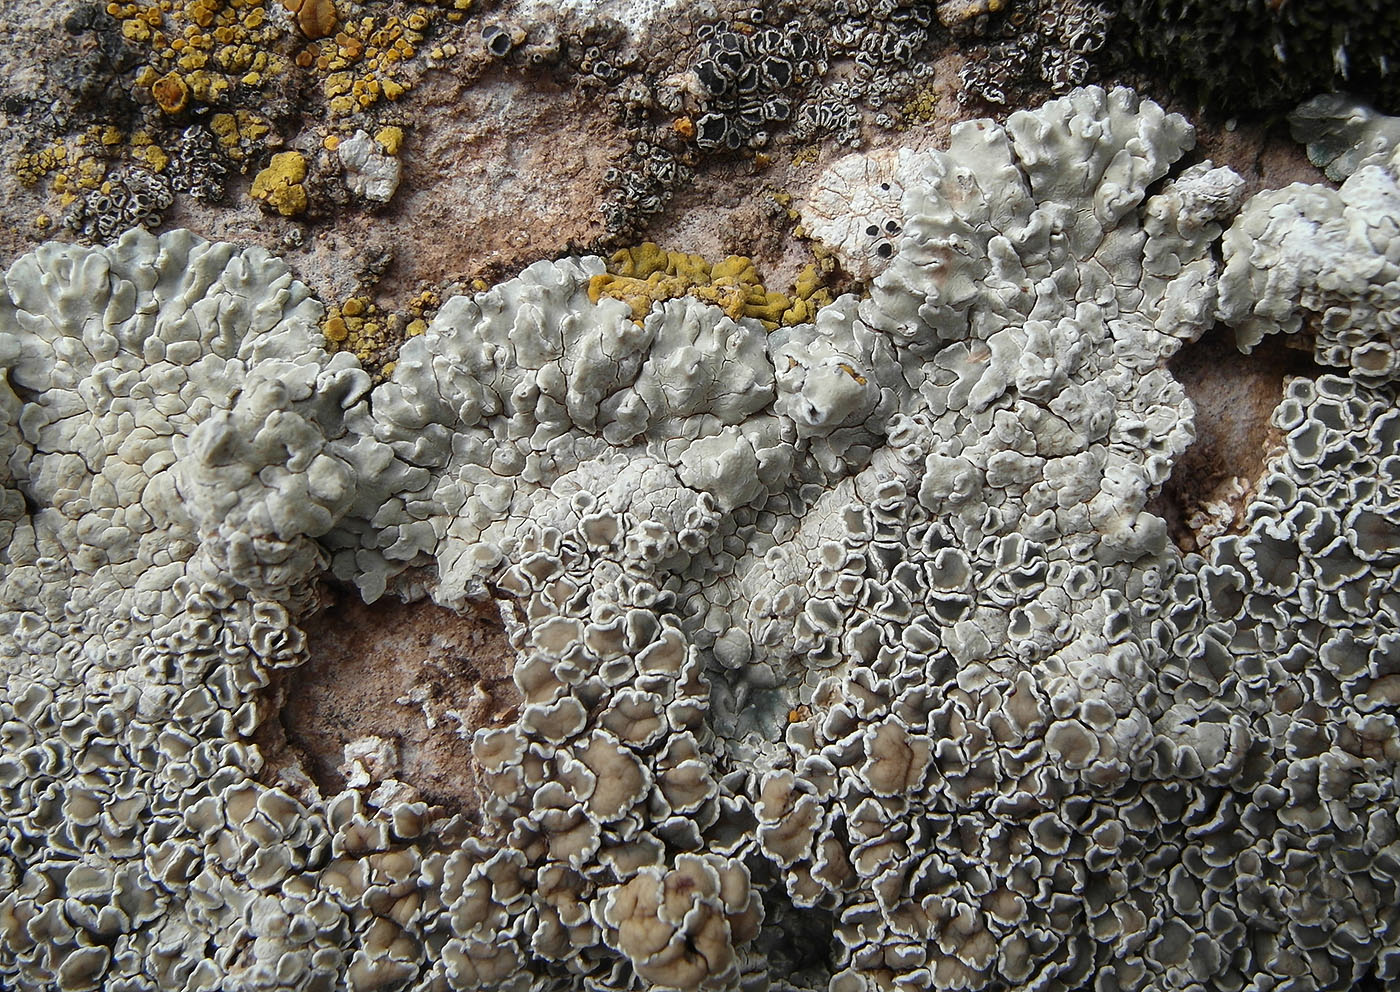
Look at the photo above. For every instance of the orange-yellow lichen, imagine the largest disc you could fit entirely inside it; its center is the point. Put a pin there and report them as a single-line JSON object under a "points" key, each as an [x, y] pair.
{"points": [[921, 107], [279, 186], [684, 126], [239, 133], [154, 157], [79, 164], [647, 274], [315, 18], [335, 329], [358, 325], [208, 47], [171, 93], [33, 166], [363, 62], [952, 12], [390, 139]]}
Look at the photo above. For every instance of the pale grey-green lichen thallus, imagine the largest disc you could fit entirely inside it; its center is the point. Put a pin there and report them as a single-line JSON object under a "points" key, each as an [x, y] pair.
{"points": [[851, 656]]}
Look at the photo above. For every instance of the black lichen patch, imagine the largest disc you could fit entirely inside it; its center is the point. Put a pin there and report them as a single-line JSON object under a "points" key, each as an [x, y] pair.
{"points": [[85, 72]]}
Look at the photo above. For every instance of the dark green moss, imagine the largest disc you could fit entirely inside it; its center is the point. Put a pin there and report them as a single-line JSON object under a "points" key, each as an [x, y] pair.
{"points": [[1266, 55]]}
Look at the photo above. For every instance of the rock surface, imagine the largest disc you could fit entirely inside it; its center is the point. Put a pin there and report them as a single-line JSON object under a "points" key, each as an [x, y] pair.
{"points": [[969, 616]]}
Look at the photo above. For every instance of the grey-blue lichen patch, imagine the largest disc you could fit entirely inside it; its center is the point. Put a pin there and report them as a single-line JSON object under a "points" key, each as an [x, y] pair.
{"points": [[1324, 262], [1341, 134], [868, 617]]}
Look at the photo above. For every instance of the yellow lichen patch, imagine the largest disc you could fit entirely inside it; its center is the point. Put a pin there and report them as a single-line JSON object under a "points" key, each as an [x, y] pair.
{"points": [[952, 12], [363, 63], [239, 133], [199, 50], [390, 139], [423, 306], [279, 186], [647, 274], [171, 93], [921, 107], [336, 329], [155, 158], [358, 325], [79, 164], [34, 166], [352, 325]]}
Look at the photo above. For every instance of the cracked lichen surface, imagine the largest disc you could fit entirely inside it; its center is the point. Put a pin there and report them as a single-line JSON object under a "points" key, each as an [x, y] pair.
{"points": [[849, 654]]}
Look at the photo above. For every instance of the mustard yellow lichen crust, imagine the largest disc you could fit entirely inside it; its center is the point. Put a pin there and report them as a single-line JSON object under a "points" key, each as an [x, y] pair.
{"points": [[280, 187], [200, 49], [360, 326], [921, 106], [647, 274], [315, 18], [239, 133], [362, 63], [79, 164], [390, 139], [227, 53]]}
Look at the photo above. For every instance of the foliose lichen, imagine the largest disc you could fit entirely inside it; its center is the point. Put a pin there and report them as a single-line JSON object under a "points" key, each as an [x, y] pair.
{"points": [[852, 644]]}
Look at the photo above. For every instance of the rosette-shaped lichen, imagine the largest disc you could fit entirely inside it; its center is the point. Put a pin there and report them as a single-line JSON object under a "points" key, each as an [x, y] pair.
{"points": [[167, 414], [851, 651], [1325, 261]]}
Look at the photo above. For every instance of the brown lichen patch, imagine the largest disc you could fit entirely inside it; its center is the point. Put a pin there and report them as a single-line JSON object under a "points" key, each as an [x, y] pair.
{"points": [[415, 674], [1235, 396]]}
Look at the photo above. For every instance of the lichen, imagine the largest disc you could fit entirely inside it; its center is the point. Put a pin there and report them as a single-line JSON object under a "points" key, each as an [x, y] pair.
{"points": [[1243, 56], [857, 632], [279, 186], [647, 275], [201, 50], [371, 171]]}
